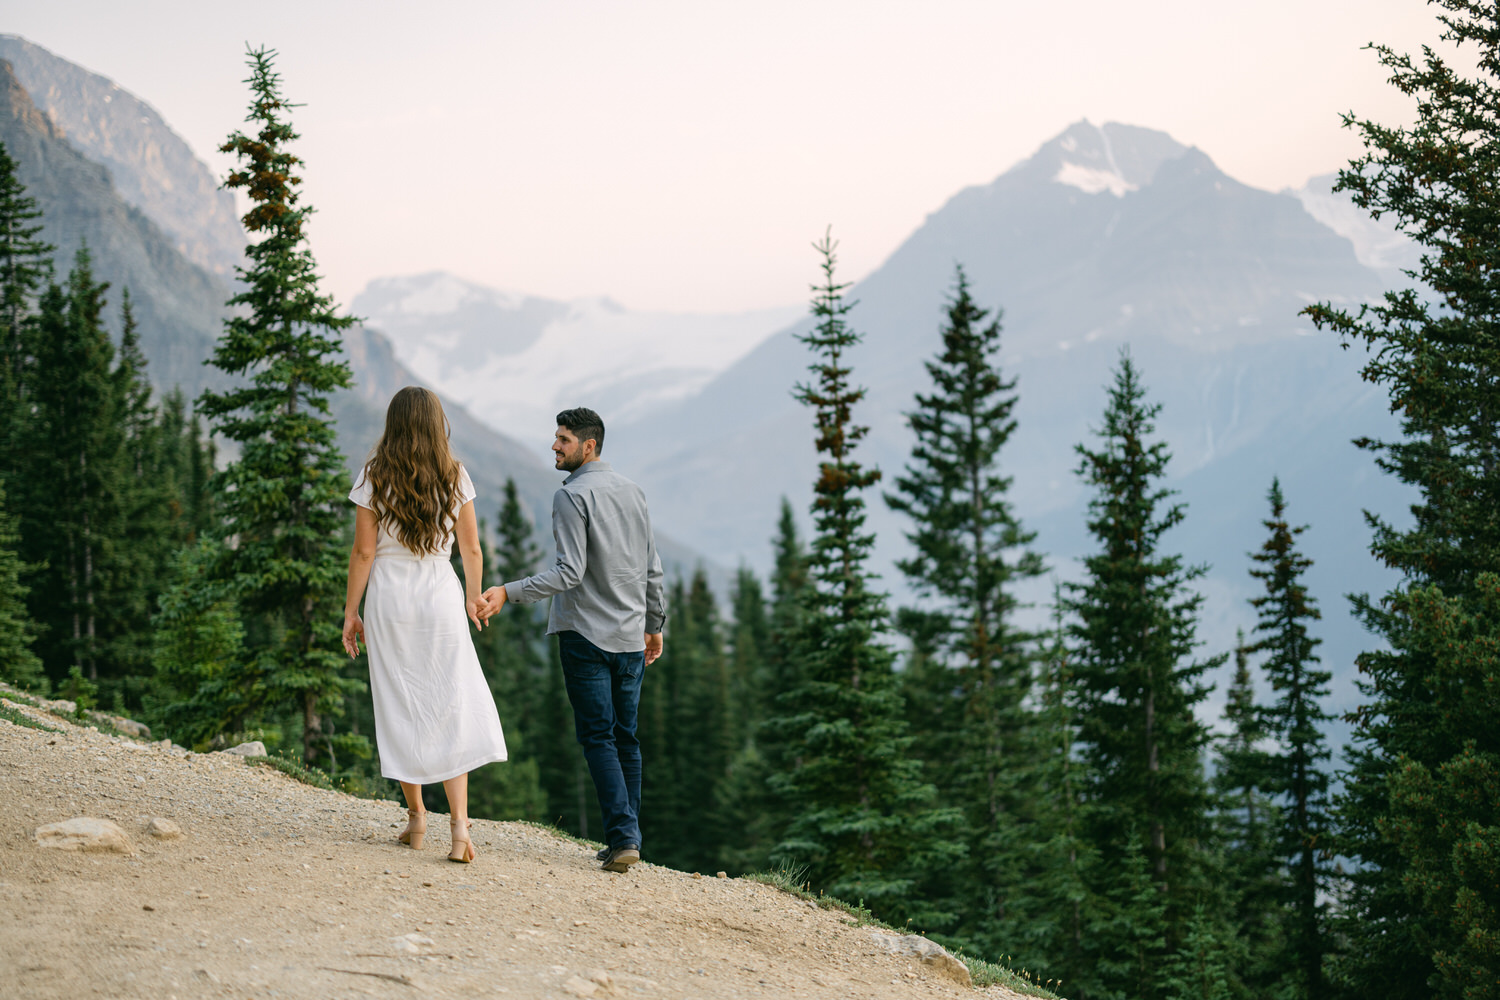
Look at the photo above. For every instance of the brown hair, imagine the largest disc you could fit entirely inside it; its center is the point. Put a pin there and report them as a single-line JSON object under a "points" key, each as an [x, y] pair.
{"points": [[412, 473]]}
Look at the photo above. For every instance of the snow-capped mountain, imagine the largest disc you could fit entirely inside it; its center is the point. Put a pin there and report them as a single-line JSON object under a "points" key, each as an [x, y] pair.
{"points": [[516, 360]]}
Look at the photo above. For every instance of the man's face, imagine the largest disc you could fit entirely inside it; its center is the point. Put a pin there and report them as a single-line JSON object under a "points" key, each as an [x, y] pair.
{"points": [[569, 451]]}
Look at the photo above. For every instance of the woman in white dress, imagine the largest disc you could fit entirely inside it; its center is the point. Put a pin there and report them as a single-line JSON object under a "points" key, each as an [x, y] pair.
{"points": [[435, 720]]}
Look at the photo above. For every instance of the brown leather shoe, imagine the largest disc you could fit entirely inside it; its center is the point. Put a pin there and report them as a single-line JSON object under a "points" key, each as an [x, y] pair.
{"points": [[620, 858]]}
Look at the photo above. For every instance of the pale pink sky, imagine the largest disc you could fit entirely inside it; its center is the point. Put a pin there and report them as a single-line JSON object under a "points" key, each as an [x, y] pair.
{"points": [[680, 156]]}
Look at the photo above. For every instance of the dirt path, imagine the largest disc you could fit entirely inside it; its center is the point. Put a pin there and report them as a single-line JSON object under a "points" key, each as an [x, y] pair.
{"points": [[283, 890]]}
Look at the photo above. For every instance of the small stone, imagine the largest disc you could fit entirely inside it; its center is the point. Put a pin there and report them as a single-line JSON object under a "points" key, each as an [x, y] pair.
{"points": [[255, 748], [697, 874], [412, 944], [721, 874], [163, 829], [147, 907], [580, 987], [84, 833]]}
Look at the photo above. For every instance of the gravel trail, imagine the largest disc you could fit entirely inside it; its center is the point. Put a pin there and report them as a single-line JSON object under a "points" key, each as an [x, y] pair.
{"points": [[278, 889]]}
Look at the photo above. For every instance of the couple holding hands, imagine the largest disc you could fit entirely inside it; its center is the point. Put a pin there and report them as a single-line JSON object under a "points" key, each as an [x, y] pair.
{"points": [[435, 719]]}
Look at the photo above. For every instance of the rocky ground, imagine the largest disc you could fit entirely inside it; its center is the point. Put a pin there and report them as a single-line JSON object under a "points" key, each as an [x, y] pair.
{"points": [[278, 889]]}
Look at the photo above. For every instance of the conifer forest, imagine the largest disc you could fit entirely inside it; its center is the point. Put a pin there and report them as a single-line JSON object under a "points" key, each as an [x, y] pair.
{"points": [[1053, 798]]}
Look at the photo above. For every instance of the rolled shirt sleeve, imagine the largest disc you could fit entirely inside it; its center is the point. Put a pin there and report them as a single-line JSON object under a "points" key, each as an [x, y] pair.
{"points": [[656, 594], [570, 534]]}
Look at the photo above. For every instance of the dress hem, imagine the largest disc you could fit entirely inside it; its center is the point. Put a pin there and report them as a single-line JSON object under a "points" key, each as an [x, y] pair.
{"points": [[491, 759]]}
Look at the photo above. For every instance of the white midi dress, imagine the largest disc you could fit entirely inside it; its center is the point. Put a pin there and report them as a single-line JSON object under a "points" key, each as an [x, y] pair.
{"points": [[434, 715]]}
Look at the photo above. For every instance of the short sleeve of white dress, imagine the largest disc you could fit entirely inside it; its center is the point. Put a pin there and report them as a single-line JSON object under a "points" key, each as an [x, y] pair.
{"points": [[361, 493], [466, 491]]}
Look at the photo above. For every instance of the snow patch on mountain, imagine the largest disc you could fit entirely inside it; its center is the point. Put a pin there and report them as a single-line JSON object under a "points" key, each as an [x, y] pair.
{"points": [[1092, 180], [515, 360], [1378, 244]]}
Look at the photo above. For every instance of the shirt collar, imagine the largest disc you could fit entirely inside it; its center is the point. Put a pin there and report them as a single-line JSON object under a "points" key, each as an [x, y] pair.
{"points": [[582, 470]]}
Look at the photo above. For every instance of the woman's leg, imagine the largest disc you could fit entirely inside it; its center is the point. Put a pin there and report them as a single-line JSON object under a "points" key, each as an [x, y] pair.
{"points": [[413, 795], [457, 790], [416, 816]]}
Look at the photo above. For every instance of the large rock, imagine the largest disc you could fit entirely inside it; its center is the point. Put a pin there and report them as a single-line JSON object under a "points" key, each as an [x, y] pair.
{"points": [[255, 748], [84, 833], [929, 953]]}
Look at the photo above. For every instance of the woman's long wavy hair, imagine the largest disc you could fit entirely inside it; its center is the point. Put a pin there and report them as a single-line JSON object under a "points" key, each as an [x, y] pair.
{"points": [[412, 473]]}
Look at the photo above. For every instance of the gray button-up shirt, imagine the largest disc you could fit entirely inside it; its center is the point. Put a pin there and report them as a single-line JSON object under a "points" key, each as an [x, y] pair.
{"points": [[607, 582]]}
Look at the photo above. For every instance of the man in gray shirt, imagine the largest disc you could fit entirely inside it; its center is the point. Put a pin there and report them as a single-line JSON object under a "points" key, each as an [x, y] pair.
{"points": [[608, 610]]}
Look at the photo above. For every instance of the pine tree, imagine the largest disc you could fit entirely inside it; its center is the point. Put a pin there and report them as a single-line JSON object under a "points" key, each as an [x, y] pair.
{"points": [[282, 500], [1248, 822], [1134, 635], [970, 554], [18, 663], [685, 740], [1294, 720], [1053, 902], [25, 270], [861, 817], [69, 477], [511, 651], [1416, 814], [1198, 970]]}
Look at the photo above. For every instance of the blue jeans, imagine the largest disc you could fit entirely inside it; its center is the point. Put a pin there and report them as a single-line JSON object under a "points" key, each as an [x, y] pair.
{"points": [[605, 690]]}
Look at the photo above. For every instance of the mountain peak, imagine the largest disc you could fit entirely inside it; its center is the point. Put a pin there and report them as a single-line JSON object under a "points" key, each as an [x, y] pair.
{"points": [[1110, 158]]}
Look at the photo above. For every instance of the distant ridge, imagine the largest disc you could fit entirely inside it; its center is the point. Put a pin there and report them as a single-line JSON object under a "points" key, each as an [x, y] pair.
{"points": [[153, 170]]}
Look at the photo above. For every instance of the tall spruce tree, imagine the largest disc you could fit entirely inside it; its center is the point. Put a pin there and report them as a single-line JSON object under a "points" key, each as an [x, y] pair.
{"points": [[1419, 812], [1134, 632], [69, 478], [1248, 824], [970, 553], [25, 269], [18, 662], [1294, 720], [685, 738], [282, 500], [512, 656], [862, 818]]}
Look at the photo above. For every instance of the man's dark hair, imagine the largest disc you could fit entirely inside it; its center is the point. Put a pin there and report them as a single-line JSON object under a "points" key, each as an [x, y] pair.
{"points": [[585, 424]]}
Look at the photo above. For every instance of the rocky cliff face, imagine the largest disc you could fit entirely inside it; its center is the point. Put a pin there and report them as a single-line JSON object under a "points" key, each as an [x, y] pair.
{"points": [[153, 170]]}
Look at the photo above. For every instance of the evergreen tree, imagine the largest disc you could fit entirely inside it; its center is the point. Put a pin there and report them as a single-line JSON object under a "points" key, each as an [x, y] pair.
{"points": [[1416, 814], [18, 663], [970, 554], [1294, 720], [1134, 634], [1248, 823], [69, 479], [282, 500], [1198, 970], [861, 817], [1053, 902], [510, 653], [25, 269], [685, 738]]}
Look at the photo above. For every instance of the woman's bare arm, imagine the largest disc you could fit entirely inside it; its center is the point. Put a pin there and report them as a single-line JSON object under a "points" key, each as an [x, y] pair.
{"points": [[473, 556], [361, 556]]}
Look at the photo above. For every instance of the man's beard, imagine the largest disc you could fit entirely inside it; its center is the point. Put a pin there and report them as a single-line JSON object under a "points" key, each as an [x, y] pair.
{"points": [[570, 463]]}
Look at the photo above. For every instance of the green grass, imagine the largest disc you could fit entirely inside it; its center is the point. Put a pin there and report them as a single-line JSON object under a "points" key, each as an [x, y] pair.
{"points": [[317, 778], [22, 719], [793, 882]]}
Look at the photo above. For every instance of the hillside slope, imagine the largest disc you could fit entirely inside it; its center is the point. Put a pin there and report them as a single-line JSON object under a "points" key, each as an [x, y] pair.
{"points": [[279, 889]]}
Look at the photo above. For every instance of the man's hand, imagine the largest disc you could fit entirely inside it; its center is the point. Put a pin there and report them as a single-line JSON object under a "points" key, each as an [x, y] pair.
{"points": [[493, 600], [653, 647], [477, 612]]}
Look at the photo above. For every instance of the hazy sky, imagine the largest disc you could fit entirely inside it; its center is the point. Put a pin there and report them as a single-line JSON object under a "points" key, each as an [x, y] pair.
{"points": [[681, 156]]}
